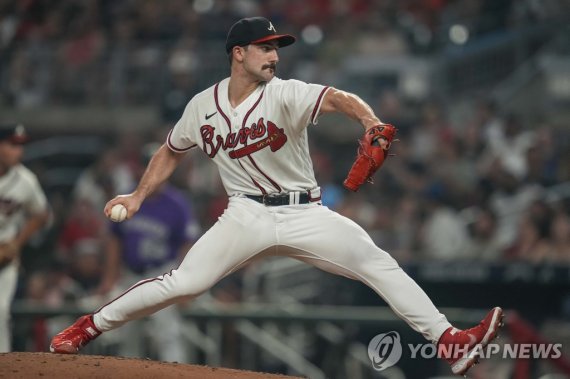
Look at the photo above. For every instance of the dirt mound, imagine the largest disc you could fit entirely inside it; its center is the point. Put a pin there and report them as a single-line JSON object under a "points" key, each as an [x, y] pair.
{"points": [[34, 365]]}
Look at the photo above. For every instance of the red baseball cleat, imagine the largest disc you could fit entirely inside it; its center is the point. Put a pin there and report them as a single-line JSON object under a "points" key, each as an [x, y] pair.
{"points": [[462, 348], [73, 338]]}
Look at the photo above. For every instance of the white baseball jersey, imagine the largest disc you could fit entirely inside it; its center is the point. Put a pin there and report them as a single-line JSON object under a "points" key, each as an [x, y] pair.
{"points": [[261, 146], [20, 194]]}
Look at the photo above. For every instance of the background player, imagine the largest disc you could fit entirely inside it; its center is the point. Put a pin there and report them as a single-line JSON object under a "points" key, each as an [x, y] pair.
{"points": [[23, 211], [153, 242], [253, 126]]}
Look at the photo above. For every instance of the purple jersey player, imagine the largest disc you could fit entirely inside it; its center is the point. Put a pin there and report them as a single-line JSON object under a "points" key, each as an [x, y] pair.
{"points": [[151, 243], [153, 237]]}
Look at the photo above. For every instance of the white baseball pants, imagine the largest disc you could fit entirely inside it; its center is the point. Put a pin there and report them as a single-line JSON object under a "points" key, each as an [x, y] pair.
{"points": [[308, 232], [164, 330], [8, 281]]}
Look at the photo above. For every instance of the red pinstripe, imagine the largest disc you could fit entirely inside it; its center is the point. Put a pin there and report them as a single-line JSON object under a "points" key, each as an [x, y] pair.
{"points": [[263, 191], [318, 104], [133, 287], [273, 183]]}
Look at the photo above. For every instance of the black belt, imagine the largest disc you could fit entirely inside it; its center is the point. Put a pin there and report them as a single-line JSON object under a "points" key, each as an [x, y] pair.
{"points": [[282, 199]]}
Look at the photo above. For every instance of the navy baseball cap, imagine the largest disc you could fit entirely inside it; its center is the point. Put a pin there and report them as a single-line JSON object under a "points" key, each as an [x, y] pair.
{"points": [[14, 133], [255, 30]]}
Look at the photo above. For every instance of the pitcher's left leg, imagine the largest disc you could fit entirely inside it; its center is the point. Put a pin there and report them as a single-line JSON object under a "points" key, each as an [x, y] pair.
{"points": [[338, 245]]}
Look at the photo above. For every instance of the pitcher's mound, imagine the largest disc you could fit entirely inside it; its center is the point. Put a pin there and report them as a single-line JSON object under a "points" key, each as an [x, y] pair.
{"points": [[47, 365]]}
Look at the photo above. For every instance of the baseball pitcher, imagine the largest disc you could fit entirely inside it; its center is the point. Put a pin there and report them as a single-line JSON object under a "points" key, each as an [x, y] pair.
{"points": [[253, 125]]}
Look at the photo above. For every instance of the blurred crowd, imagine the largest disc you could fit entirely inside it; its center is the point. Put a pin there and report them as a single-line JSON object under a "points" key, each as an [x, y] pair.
{"points": [[487, 186], [114, 52], [492, 189]]}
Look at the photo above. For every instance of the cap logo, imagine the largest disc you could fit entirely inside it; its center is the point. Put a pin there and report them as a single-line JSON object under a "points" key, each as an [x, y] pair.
{"points": [[271, 27]]}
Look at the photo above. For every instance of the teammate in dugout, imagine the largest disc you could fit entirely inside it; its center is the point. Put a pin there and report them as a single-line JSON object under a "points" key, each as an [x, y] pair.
{"points": [[23, 212], [253, 126]]}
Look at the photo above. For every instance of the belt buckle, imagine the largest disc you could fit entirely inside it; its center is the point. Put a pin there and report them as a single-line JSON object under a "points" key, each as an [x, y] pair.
{"points": [[266, 199]]}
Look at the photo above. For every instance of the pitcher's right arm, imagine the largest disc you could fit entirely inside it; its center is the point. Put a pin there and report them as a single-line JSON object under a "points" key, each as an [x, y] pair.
{"points": [[160, 167]]}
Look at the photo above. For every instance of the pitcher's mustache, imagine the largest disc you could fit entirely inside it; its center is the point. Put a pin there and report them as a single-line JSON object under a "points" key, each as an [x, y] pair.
{"points": [[272, 66]]}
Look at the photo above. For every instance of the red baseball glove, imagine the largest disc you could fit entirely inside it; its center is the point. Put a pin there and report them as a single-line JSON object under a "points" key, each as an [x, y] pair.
{"points": [[373, 150]]}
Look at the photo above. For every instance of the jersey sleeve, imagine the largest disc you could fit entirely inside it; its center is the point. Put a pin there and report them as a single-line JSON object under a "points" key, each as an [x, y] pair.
{"points": [[37, 202], [303, 101], [179, 138]]}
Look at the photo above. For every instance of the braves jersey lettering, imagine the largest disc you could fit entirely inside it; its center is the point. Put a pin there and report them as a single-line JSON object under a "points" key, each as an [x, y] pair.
{"points": [[275, 139], [261, 145], [9, 206]]}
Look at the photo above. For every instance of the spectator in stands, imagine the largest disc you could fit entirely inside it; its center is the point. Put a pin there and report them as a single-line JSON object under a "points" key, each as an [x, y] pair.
{"points": [[509, 200], [443, 232], [376, 37], [103, 179], [129, 142], [487, 118], [28, 78], [560, 238], [483, 243], [86, 266], [83, 222], [549, 235], [183, 68], [455, 170], [531, 243], [543, 158], [430, 134], [393, 110], [79, 56], [509, 146]]}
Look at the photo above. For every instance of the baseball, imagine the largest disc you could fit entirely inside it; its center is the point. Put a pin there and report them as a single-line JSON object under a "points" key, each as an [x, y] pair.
{"points": [[118, 213]]}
